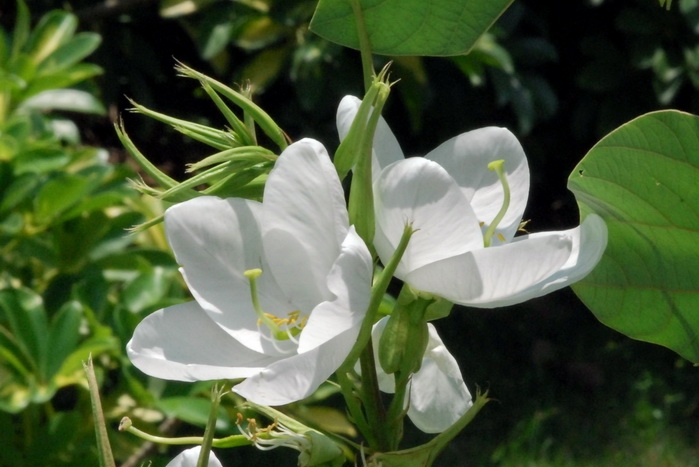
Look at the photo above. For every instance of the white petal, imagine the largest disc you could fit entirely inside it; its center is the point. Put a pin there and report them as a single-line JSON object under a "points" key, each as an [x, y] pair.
{"points": [[298, 376], [189, 458], [589, 243], [350, 282], [466, 158], [496, 276], [386, 147], [182, 343], [420, 192], [305, 221], [215, 241], [438, 395]]}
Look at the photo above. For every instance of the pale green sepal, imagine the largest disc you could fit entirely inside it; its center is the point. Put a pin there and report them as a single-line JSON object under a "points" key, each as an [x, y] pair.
{"points": [[157, 175], [106, 458], [249, 154], [268, 126], [144, 189], [210, 175], [361, 198], [210, 136], [426, 454], [230, 188], [438, 309], [147, 225], [404, 339], [348, 152], [360, 137], [246, 136], [233, 185]]}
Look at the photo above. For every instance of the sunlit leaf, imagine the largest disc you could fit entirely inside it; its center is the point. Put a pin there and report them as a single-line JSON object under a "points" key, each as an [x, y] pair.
{"points": [[54, 29], [70, 53], [642, 179], [409, 27], [71, 100]]}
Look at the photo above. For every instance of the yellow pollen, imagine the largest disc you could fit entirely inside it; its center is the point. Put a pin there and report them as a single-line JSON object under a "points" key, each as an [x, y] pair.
{"points": [[291, 321]]}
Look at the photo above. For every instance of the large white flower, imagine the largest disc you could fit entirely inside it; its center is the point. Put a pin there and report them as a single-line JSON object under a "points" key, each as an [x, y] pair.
{"points": [[312, 293], [451, 198], [437, 394]]}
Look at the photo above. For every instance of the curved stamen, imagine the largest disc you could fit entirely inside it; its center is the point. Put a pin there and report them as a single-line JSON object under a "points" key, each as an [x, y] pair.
{"points": [[498, 167]]}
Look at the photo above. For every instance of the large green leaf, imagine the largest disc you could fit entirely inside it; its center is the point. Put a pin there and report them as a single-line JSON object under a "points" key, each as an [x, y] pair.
{"points": [[643, 179], [409, 27]]}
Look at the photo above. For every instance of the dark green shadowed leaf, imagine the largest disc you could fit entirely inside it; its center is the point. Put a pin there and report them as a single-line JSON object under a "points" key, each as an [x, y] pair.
{"points": [[643, 179], [409, 27]]}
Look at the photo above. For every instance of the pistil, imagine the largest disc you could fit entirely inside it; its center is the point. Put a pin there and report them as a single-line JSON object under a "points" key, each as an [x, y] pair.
{"points": [[498, 167]]}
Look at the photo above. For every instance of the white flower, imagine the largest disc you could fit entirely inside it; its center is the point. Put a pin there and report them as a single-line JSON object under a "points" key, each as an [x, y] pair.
{"points": [[451, 198], [438, 396], [189, 458], [281, 287]]}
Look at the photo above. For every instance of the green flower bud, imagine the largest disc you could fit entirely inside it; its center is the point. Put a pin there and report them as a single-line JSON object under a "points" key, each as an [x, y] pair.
{"points": [[405, 337]]}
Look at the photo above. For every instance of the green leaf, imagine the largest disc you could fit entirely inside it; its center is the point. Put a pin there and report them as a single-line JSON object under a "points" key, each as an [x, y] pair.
{"points": [[62, 78], [18, 191], [63, 336], [71, 100], [642, 179], [42, 160], [54, 29], [25, 313], [59, 194], [70, 53], [409, 27], [22, 28], [147, 289]]}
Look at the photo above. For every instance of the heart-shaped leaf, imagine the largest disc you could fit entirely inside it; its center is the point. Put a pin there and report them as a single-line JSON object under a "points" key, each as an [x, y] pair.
{"points": [[643, 179], [409, 27]]}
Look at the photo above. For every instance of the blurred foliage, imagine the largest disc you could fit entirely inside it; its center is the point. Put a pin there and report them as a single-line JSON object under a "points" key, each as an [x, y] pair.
{"points": [[561, 74], [72, 282]]}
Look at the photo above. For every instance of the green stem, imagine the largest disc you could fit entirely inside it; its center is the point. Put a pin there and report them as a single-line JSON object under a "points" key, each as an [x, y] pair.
{"points": [[377, 294], [364, 44], [227, 442], [370, 397], [375, 411], [216, 394], [354, 406]]}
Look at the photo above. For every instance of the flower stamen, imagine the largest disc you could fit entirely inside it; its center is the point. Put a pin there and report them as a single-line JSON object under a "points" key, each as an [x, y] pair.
{"points": [[498, 167], [272, 436], [280, 328]]}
